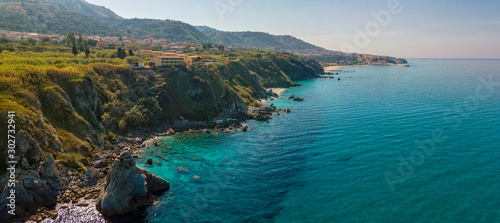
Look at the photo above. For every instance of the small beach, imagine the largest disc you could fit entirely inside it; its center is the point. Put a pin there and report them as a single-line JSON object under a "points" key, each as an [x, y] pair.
{"points": [[332, 68], [278, 91]]}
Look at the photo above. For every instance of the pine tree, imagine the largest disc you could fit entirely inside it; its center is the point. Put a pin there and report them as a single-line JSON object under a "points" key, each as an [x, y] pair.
{"points": [[130, 53], [87, 52], [80, 43], [70, 39], [74, 51], [121, 53]]}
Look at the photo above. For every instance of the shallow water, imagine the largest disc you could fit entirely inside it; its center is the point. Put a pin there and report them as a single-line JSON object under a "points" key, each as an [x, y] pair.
{"points": [[328, 161]]}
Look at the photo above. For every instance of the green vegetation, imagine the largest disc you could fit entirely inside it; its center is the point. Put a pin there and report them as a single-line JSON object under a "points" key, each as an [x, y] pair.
{"points": [[259, 40], [174, 31], [74, 103], [88, 19], [46, 17]]}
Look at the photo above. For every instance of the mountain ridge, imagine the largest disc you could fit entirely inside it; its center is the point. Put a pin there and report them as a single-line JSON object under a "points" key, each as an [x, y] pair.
{"points": [[259, 40], [62, 16]]}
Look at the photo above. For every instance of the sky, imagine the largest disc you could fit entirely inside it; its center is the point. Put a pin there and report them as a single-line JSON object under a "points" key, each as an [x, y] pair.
{"points": [[400, 28]]}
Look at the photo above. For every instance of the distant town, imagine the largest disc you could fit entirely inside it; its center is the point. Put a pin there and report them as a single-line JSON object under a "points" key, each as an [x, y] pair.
{"points": [[103, 42]]}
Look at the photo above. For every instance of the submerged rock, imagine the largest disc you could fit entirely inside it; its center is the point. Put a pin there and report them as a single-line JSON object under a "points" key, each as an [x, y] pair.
{"points": [[182, 170], [196, 179], [128, 187]]}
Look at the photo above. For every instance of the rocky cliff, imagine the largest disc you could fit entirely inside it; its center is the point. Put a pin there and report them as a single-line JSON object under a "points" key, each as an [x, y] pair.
{"points": [[67, 117]]}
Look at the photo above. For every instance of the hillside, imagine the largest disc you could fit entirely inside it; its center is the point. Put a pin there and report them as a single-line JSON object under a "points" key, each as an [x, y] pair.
{"points": [[29, 16], [259, 40], [62, 16], [175, 31], [93, 11]]}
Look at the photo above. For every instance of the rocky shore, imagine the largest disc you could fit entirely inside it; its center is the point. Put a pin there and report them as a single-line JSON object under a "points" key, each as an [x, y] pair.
{"points": [[111, 183]]}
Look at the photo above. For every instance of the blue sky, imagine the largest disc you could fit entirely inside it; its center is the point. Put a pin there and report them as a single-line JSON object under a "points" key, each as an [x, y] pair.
{"points": [[416, 29]]}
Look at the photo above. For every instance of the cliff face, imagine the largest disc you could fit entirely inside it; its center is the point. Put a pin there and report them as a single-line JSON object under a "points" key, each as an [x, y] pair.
{"points": [[65, 110], [67, 113]]}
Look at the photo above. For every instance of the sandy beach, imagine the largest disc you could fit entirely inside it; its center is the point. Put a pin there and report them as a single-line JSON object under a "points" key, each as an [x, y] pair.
{"points": [[333, 68], [278, 91]]}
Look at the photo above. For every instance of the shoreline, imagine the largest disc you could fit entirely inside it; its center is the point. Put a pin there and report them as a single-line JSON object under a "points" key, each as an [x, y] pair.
{"points": [[85, 197], [277, 91], [337, 67]]}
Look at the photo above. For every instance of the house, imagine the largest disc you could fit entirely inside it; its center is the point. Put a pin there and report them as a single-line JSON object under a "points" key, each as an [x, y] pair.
{"points": [[209, 61], [147, 53], [230, 48], [167, 61]]}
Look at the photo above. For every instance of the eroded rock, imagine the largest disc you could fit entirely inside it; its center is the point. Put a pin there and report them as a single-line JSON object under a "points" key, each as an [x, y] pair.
{"points": [[128, 187]]}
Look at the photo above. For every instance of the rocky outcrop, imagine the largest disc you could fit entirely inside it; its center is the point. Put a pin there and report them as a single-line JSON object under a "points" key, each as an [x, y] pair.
{"points": [[262, 113], [28, 147], [50, 173], [32, 192], [128, 187]]}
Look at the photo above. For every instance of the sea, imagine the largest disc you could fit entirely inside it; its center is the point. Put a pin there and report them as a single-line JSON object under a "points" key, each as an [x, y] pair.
{"points": [[382, 144]]}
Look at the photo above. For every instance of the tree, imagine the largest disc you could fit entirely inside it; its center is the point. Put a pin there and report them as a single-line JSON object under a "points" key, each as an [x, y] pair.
{"points": [[70, 39], [74, 50], [130, 53], [46, 40], [121, 53], [221, 48], [92, 42], [80, 43], [87, 52], [207, 46]]}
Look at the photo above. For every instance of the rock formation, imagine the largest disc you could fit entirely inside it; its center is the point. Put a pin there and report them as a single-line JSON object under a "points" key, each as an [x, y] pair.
{"points": [[128, 187]]}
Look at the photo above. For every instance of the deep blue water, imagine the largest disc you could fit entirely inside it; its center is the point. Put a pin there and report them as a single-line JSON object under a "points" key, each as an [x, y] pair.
{"points": [[350, 153]]}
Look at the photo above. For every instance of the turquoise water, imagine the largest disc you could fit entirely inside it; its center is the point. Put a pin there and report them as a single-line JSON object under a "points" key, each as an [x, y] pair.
{"points": [[350, 153]]}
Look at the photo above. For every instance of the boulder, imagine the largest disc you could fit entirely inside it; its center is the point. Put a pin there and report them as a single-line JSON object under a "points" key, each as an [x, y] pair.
{"points": [[128, 187], [92, 175], [50, 174], [101, 163], [49, 168], [244, 128], [32, 192]]}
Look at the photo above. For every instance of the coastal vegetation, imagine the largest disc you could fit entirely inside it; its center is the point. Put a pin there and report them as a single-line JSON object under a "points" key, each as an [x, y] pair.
{"points": [[78, 99], [259, 40], [74, 101]]}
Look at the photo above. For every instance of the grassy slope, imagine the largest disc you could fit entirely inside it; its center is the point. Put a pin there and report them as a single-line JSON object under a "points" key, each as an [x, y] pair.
{"points": [[65, 103], [49, 18]]}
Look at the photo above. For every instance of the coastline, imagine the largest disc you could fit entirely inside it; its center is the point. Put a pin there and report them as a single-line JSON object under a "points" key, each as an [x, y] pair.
{"points": [[277, 91], [84, 198], [337, 68], [333, 68]]}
